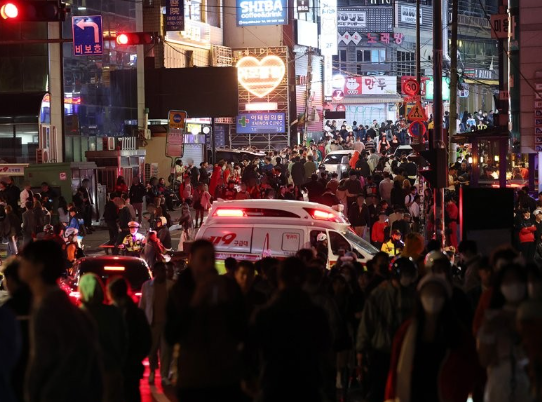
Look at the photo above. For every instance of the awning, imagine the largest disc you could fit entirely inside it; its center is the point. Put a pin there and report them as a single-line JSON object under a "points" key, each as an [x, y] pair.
{"points": [[20, 105], [366, 100]]}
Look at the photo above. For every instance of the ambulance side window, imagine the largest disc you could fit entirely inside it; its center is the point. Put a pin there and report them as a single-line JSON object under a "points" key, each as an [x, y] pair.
{"points": [[338, 242], [314, 235]]}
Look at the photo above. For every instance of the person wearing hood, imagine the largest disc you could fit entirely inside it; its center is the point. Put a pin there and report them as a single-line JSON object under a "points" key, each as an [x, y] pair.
{"points": [[433, 357], [112, 335]]}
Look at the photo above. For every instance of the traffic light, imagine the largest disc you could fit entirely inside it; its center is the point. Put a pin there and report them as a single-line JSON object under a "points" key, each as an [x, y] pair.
{"points": [[435, 173], [33, 11], [137, 38]]}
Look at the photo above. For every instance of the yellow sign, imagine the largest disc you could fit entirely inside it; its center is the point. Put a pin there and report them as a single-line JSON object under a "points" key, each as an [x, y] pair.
{"points": [[417, 113], [260, 77], [177, 119]]}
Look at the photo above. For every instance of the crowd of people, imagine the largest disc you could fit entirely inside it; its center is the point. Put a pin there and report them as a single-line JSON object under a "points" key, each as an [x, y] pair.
{"points": [[420, 327]]}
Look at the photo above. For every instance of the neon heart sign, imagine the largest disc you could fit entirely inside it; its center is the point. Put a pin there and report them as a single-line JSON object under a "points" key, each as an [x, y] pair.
{"points": [[260, 77]]}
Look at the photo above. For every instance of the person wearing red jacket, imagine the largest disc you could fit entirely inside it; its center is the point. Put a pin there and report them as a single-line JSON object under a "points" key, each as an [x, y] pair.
{"points": [[434, 357], [526, 234], [377, 232]]}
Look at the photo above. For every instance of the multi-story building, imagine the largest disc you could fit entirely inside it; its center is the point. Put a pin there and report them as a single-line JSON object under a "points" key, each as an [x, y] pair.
{"points": [[366, 80]]}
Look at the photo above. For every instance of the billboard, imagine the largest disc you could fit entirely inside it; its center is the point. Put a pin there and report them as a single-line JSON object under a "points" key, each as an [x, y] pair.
{"points": [[201, 92], [253, 123], [328, 27], [352, 19], [370, 85], [262, 12]]}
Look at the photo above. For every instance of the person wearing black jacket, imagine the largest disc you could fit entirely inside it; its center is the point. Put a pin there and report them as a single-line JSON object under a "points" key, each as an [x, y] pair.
{"points": [[203, 174], [298, 171], [293, 337], [139, 337], [359, 216], [111, 216], [136, 194], [20, 303], [362, 167]]}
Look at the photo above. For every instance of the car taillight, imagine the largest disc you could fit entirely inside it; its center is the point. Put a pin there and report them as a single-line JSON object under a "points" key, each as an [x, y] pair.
{"points": [[230, 213], [75, 295]]}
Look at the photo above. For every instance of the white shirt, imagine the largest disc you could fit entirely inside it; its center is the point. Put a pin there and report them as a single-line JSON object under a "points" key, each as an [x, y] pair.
{"points": [[24, 197], [414, 210]]}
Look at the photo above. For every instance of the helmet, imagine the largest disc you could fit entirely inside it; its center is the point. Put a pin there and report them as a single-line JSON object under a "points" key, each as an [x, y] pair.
{"points": [[403, 265], [431, 257], [48, 228], [321, 237], [133, 224], [70, 232]]}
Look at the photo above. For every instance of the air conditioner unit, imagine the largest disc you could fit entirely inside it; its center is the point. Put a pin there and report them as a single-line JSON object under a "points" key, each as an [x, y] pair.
{"points": [[42, 155]]}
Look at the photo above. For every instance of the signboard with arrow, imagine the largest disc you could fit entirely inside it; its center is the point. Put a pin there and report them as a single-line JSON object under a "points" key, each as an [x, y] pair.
{"points": [[87, 35]]}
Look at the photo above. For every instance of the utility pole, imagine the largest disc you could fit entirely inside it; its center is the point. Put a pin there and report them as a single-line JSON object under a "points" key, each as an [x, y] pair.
{"points": [[453, 75], [438, 135], [307, 93], [418, 46]]}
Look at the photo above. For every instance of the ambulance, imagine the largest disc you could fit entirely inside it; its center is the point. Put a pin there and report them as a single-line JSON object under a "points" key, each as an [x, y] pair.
{"points": [[255, 229]]}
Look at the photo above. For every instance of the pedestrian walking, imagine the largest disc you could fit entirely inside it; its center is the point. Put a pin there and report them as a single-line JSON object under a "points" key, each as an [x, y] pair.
{"points": [[433, 357], [292, 335], [206, 317], [112, 334], [153, 302], [64, 347], [139, 337], [385, 310]]}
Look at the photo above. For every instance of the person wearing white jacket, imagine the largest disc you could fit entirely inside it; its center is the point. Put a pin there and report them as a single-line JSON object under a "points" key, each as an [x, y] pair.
{"points": [[154, 294]]}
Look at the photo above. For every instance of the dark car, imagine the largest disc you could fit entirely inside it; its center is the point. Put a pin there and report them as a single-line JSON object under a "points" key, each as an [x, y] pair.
{"points": [[134, 270]]}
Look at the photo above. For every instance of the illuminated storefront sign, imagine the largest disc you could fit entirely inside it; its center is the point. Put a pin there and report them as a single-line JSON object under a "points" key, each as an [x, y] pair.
{"points": [[262, 12], [251, 123], [260, 77], [328, 27], [372, 85], [195, 34]]}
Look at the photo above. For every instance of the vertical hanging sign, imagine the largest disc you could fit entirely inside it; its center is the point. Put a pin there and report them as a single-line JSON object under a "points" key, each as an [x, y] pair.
{"points": [[328, 27]]}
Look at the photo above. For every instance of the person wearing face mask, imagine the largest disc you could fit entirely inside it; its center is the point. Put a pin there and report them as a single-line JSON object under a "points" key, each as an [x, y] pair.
{"points": [[499, 347], [385, 310], [433, 358]]}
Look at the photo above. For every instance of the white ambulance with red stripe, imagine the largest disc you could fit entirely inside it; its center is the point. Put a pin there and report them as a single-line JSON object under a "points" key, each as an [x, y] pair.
{"points": [[255, 229]]}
